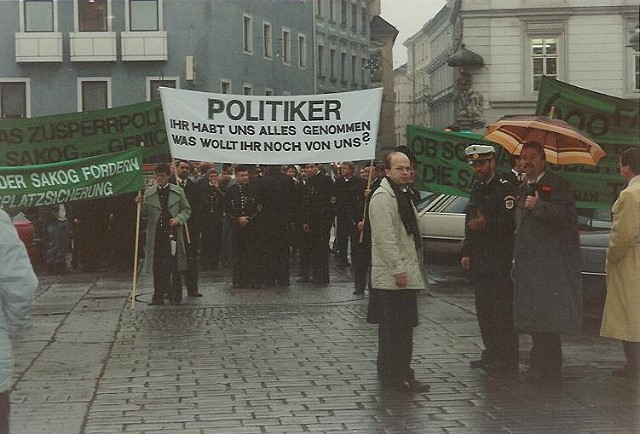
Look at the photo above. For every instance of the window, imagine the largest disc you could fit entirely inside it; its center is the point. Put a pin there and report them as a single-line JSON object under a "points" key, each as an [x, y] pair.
{"points": [[332, 10], [332, 60], [94, 94], [354, 16], [93, 16], [154, 85], [302, 51], [343, 66], [267, 38], [319, 8], [13, 100], [268, 92], [247, 89], [320, 61], [247, 34], [544, 54], [353, 68], [286, 47], [343, 12], [38, 15], [364, 19], [363, 70], [225, 86], [144, 15]]}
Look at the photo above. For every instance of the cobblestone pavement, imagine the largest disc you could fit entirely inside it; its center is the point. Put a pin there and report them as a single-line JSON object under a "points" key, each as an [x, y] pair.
{"points": [[285, 361]]}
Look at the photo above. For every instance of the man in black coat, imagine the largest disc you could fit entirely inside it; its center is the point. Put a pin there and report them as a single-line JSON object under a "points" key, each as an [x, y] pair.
{"points": [[317, 214], [211, 215], [192, 191], [347, 188], [487, 252], [362, 249], [277, 197], [243, 208]]}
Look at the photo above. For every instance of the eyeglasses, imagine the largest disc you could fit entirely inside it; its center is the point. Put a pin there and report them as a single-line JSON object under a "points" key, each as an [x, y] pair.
{"points": [[402, 169]]}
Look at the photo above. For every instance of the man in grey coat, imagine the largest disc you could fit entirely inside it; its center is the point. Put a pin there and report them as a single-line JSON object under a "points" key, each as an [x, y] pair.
{"points": [[17, 287], [167, 209], [546, 271]]}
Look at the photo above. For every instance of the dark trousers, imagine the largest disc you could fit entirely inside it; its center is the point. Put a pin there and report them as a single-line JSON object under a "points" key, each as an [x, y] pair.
{"points": [[546, 354], [320, 255], [276, 254], [5, 407], [345, 234], [361, 266], [166, 280], [494, 309], [210, 247], [305, 254], [191, 274], [632, 353], [395, 349], [246, 257]]}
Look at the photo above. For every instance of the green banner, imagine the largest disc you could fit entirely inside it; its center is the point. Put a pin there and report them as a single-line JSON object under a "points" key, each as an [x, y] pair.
{"points": [[49, 139], [610, 122], [442, 163], [613, 123], [69, 181]]}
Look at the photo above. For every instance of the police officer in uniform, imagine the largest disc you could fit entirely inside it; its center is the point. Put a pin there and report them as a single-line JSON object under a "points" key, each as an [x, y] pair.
{"points": [[317, 214], [487, 255], [243, 207]]}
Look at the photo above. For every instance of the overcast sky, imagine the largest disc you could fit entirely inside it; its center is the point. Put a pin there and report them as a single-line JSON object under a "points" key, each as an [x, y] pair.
{"points": [[408, 16]]}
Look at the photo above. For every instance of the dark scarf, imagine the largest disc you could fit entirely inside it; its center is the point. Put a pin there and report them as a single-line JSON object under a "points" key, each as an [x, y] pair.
{"points": [[407, 212]]}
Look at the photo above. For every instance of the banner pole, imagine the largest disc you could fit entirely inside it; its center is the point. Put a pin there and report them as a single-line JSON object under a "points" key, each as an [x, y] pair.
{"points": [[366, 201], [136, 251]]}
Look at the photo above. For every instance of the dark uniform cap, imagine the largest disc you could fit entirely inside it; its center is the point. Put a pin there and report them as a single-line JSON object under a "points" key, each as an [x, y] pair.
{"points": [[478, 152]]}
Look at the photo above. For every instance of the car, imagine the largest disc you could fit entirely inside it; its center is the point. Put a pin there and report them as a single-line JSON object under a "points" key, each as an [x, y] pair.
{"points": [[442, 217], [27, 234]]}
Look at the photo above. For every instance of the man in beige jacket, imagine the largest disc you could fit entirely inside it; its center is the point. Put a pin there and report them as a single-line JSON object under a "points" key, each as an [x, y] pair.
{"points": [[621, 318], [396, 274]]}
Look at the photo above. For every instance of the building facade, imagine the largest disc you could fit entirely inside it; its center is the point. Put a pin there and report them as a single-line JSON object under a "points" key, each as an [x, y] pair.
{"points": [[584, 43], [60, 56], [342, 35], [403, 93]]}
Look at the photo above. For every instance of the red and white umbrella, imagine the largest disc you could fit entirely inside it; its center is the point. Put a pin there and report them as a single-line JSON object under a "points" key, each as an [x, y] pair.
{"points": [[563, 144]]}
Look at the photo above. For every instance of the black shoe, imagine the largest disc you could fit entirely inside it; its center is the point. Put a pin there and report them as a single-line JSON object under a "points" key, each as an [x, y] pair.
{"points": [[195, 294], [157, 301], [358, 292], [303, 280], [478, 364], [409, 386]]}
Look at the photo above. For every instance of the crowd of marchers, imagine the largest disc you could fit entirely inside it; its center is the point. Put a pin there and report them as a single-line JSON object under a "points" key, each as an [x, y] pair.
{"points": [[257, 220]]}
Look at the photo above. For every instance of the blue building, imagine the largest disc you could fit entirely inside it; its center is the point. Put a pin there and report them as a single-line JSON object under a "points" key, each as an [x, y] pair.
{"points": [[60, 56]]}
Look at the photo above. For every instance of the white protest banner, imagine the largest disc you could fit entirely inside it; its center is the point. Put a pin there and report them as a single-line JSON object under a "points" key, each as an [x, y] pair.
{"points": [[252, 129]]}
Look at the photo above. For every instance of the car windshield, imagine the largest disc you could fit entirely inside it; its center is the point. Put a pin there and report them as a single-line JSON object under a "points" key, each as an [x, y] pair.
{"points": [[426, 197]]}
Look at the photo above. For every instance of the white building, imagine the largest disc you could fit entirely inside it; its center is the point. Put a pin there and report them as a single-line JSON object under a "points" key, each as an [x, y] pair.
{"points": [[581, 42], [403, 102]]}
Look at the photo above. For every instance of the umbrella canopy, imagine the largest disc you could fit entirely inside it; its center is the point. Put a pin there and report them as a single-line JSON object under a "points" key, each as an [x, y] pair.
{"points": [[563, 144]]}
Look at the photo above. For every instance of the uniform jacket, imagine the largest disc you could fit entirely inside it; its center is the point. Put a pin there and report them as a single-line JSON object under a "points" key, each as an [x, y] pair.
{"points": [[393, 250], [318, 201], [491, 248], [546, 270], [347, 193], [621, 318], [17, 287], [178, 208]]}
